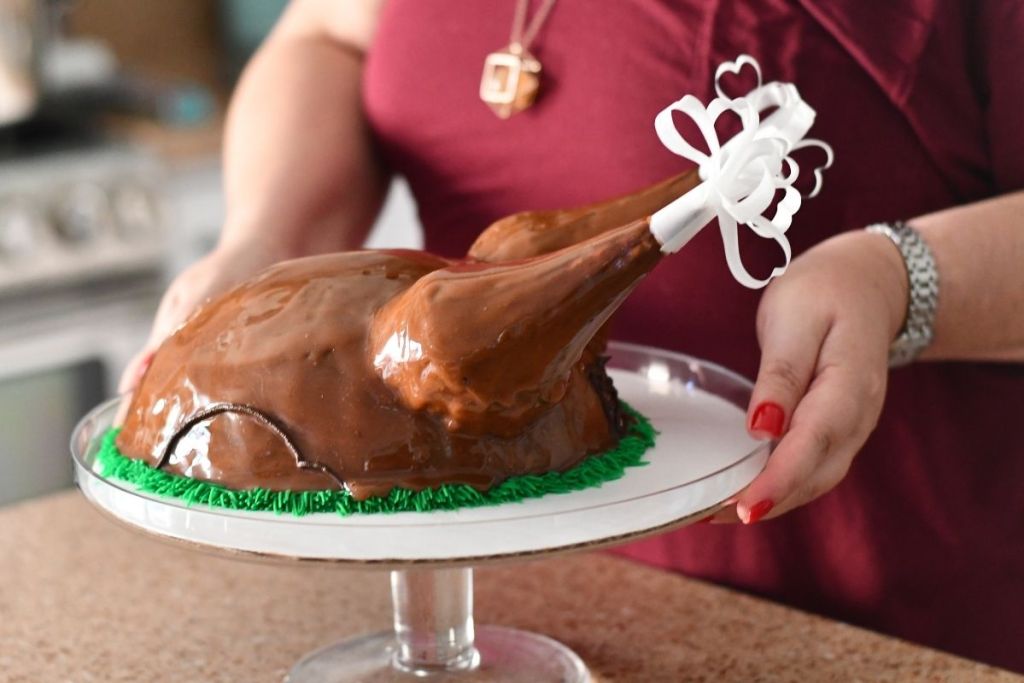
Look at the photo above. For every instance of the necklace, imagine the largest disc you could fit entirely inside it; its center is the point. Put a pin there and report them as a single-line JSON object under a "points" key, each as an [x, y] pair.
{"points": [[511, 77]]}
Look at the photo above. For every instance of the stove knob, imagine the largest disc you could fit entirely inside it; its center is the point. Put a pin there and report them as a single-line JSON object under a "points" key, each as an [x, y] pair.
{"points": [[135, 212], [83, 214], [21, 229]]}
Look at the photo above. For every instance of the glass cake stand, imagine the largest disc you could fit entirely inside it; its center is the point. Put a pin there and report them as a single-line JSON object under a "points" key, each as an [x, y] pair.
{"points": [[702, 457]]}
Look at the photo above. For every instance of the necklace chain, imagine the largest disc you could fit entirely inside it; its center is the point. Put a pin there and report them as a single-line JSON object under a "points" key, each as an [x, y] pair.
{"points": [[518, 36], [511, 77]]}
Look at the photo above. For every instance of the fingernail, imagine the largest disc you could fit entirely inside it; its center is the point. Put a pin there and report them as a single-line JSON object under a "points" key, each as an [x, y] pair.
{"points": [[758, 511], [147, 360], [767, 420]]}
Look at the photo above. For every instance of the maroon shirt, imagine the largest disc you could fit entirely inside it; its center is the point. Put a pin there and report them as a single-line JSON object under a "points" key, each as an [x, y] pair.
{"points": [[921, 101]]}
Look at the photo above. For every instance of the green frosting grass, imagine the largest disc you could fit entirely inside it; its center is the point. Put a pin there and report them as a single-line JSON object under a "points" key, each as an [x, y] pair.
{"points": [[593, 471]]}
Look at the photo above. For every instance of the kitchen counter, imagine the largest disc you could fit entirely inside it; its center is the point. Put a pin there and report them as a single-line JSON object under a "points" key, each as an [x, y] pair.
{"points": [[84, 600]]}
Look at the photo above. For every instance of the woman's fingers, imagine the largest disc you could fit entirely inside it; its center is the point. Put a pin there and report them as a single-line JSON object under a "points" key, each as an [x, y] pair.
{"points": [[824, 331], [202, 279], [828, 427], [790, 341], [821, 423], [135, 369]]}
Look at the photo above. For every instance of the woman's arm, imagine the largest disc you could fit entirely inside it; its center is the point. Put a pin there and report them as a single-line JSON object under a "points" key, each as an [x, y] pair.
{"points": [[979, 253], [825, 330], [301, 175]]}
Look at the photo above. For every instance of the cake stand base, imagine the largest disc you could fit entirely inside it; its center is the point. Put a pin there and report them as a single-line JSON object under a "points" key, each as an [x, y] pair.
{"points": [[434, 639], [506, 655]]}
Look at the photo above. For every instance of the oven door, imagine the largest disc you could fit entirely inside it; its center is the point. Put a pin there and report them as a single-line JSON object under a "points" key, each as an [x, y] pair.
{"points": [[61, 354]]}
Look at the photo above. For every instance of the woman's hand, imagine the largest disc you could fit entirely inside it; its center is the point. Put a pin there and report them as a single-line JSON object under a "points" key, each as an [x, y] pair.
{"points": [[221, 269], [825, 330]]}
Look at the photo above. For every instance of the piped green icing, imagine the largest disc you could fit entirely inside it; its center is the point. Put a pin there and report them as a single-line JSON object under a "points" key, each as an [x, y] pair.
{"points": [[593, 471]]}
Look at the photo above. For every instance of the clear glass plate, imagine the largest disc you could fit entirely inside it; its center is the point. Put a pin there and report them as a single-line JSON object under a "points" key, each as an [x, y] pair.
{"points": [[702, 457]]}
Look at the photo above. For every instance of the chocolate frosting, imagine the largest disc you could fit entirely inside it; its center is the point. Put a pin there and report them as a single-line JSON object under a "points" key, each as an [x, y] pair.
{"points": [[491, 346], [400, 368]]}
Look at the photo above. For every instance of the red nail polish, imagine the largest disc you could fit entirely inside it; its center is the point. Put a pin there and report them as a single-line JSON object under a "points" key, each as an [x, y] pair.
{"points": [[147, 360], [767, 420], [759, 510]]}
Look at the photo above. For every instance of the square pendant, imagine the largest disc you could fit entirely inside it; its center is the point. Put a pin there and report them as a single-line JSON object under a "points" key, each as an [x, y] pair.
{"points": [[509, 82], [501, 77]]}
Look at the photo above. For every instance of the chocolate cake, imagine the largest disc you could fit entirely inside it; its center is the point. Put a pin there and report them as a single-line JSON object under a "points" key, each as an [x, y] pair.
{"points": [[372, 370]]}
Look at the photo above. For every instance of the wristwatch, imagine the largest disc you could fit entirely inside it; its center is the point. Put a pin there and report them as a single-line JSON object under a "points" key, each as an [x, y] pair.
{"points": [[923, 278]]}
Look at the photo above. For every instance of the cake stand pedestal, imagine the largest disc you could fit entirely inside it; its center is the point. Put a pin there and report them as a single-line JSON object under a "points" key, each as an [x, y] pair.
{"points": [[435, 639], [703, 457]]}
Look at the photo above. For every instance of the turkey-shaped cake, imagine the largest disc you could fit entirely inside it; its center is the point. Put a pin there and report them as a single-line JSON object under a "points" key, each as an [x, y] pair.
{"points": [[371, 370]]}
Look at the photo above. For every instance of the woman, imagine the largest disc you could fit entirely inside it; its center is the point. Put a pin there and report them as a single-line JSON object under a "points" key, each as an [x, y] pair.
{"points": [[920, 535]]}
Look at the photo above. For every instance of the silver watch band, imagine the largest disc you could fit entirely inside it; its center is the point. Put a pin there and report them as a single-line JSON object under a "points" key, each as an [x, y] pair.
{"points": [[923, 278]]}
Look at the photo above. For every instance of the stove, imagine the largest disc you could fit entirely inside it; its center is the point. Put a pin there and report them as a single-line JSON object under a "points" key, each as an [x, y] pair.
{"points": [[73, 207], [82, 258]]}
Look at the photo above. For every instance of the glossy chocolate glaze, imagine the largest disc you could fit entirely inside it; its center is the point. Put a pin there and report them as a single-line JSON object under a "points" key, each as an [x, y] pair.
{"points": [[532, 233], [489, 347], [397, 368]]}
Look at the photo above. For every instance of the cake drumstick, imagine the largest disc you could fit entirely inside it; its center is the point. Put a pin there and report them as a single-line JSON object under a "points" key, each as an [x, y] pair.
{"points": [[532, 233]]}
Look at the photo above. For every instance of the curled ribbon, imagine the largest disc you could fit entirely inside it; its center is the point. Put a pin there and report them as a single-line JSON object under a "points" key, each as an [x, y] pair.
{"points": [[742, 177]]}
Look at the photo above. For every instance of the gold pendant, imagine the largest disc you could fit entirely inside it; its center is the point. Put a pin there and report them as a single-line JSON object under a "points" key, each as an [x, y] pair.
{"points": [[510, 80]]}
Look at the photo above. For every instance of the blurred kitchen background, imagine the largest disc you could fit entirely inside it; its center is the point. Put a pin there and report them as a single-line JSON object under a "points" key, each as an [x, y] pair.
{"points": [[110, 183]]}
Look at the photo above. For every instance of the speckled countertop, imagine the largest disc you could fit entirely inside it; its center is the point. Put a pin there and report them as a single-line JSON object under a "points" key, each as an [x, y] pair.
{"points": [[84, 600]]}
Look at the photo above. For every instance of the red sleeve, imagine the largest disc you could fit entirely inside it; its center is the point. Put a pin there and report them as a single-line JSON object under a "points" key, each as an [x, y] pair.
{"points": [[1000, 47]]}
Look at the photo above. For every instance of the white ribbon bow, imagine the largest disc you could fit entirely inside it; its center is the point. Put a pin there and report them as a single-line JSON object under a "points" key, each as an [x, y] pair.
{"points": [[742, 177]]}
